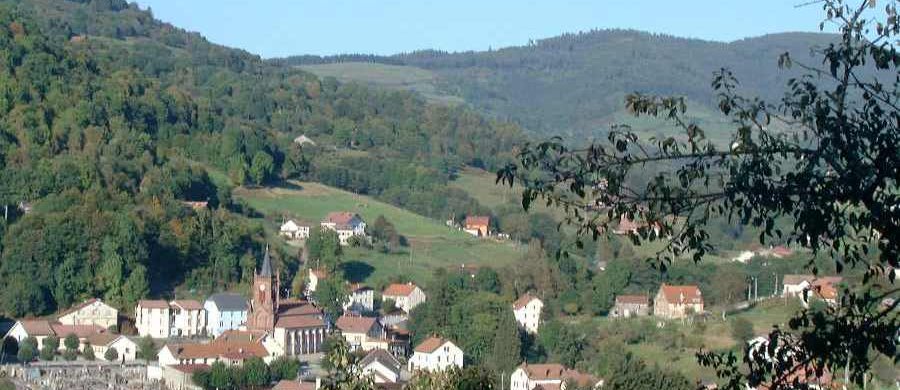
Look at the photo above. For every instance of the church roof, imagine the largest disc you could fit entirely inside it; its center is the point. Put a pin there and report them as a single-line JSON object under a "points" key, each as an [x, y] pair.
{"points": [[266, 270]]}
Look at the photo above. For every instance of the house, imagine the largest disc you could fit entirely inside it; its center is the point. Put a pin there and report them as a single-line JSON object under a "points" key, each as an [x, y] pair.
{"points": [[478, 226], [126, 348], [151, 318], [315, 275], [346, 224], [42, 329], [224, 311], [361, 299], [631, 306], [358, 330], [295, 385], [180, 376], [188, 318], [435, 354], [405, 296], [550, 376], [294, 230], [824, 287], [382, 366], [231, 351], [91, 312], [673, 302], [292, 327], [527, 310]]}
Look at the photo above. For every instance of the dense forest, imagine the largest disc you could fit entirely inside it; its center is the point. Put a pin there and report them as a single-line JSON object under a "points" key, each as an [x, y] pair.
{"points": [[574, 84], [110, 119]]}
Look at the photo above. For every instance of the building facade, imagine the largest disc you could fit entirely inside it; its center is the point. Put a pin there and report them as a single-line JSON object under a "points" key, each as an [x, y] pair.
{"points": [[673, 302], [224, 311], [630, 306], [435, 354], [527, 310], [346, 224], [405, 296], [91, 312], [152, 318]]}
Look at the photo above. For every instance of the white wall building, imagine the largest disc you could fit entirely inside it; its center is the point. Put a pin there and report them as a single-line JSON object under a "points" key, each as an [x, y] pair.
{"points": [[294, 230], [361, 299], [188, 318], [358, 330], [91, 312], [435, 354], [405, 296], [346, 224], [381, 366], [527, 310], [224, 311], [547, 376], [151, 318]]}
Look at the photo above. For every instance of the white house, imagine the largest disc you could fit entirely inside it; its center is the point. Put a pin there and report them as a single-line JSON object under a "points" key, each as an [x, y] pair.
{"points": [[314, 277], [381, 366], [435, 354], [794, 285], [188, 318], [527, 310], [294, 230], [126, 348], [405, 296], [23, 329], [361, 299], [224, 311], [547, 376], [91, 312], [346, 224], [151, 318], [358, 330]]}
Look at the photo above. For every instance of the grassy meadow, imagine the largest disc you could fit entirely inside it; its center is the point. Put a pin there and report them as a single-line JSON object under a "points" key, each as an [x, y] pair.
{"points": [[396, 77]]}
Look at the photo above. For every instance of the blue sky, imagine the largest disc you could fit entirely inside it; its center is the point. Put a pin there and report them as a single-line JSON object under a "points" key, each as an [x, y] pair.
{"points": [[274, 28]]}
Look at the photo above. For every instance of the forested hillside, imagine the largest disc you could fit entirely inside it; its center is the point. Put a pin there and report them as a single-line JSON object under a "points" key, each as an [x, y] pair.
{"points": [[108, 119], [575, 84]]}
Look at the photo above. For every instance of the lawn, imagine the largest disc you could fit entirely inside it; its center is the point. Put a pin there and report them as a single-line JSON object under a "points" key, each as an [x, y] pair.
{"points": [[432, 245], [397, 77]]}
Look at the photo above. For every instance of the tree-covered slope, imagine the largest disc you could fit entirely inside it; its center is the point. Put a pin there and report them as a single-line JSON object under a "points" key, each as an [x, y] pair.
{"points": [[575, 84], [107, 116]]}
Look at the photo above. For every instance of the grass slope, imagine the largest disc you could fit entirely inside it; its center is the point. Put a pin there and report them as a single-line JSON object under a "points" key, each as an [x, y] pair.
{"points": [[407, 78], [431, 244]]}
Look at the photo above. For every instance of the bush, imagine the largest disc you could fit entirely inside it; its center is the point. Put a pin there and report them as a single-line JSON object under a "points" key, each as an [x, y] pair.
{"points": [[88, 352], [111, 354], [27, 352], [70, 354], [147, 349], [48, 352], [71, 342], [52, 342]]}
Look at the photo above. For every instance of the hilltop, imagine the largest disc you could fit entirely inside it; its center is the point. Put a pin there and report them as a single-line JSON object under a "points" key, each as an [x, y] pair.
{"points": [[574, 84]]}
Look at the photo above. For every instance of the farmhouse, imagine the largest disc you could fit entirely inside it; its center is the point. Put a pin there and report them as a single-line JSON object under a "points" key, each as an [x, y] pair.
{"points": [[358, 330], [224, 311], [405, 296], [550, 376], [382, 366], [631, 306], [527, 310], [435, 354], [91, 312], [673, 302], [42, 329], [478, 226], [294, 230], [824, 288], [346, 224]]}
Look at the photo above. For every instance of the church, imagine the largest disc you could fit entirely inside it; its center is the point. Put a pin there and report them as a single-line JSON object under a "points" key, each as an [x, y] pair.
{"points": [[293, 327]]}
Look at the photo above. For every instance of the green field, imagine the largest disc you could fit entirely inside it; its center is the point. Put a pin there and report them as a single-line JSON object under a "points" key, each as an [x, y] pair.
{"points": [[432, 245], [407, 78]]}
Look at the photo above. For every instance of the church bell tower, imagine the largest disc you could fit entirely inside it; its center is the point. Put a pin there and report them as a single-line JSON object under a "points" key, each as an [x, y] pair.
{"points": [[264, 297]]}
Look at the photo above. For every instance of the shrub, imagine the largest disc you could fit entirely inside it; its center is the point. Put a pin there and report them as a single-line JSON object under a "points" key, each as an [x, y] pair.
{"points": [[111, 354], [88, 352], [70, 354]]}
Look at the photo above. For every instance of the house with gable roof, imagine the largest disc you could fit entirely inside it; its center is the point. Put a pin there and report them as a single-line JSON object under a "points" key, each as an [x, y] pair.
{"points": [[435, 354], [358, 330], [188, 318], [42, 329], [550, 376], [381, 366], [478, 225], [224, 311], [674, 302], [346, 224], [91, 312], [631, 306], [405, 296], [527, 310], [295, 230]]}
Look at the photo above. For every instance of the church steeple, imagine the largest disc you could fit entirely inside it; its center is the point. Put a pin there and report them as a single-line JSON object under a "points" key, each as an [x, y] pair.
{"points": [[264, 297], [266, 269]]}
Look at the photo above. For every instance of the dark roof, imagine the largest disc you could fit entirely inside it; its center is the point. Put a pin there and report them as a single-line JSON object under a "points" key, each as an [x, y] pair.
{"points": [[228, 301], [381, 356], [266, 270]]}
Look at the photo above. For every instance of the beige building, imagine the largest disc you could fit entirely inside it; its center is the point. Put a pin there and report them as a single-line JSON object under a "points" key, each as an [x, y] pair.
{"points": [[527, 310], [346, 225], [550, 376], [126, 348], [42, 329], [91, 312], [381, 366], [435, 354], [152, 318], [673, 302], [631, 306], [405, 296], [358, 331]]}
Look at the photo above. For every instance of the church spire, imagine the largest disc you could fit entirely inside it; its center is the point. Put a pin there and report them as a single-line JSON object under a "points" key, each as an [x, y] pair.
{"points": [[266, 270]]}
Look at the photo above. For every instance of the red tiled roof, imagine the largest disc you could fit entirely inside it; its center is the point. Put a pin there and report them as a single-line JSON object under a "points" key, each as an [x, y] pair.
{"points": [[523, 301], [82, 331], [234, 350], [477, 221], [244, 336], [188, 304], [544, 371], [796, 279], [397, 289], [153, 304], [633, 299], [294, 385], [341, 218], [190, 368], [681, 294], [431, 344], [348, 324], [37, 327], [302, 309], [295, 322], [102, 339]]}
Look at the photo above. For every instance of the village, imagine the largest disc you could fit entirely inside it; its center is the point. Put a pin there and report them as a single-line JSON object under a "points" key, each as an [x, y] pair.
{"points": [[184, 336]]}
